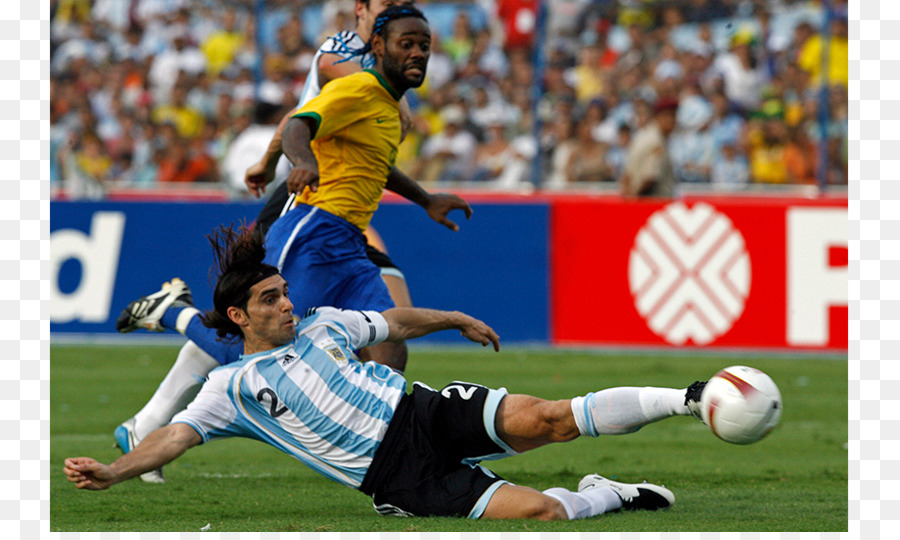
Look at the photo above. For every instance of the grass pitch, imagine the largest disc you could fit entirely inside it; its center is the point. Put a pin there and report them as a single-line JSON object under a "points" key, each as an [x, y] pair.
{"points": [[794, 480]]}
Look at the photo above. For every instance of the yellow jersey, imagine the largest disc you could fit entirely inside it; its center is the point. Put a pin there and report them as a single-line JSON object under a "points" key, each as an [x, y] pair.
{"points": [[355, 140]]}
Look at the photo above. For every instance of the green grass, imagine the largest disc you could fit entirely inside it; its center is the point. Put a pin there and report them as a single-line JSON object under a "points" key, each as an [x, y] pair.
{"points": [[794, 480]]}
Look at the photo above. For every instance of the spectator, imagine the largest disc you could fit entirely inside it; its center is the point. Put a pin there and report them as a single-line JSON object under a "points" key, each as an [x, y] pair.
{"points": [[767, 138], [692, 146], [221, 47], [459, 44], [559, 145], [838, 55], [725, 126], [742, 75], [729, 169], [487, 54], [68, 17], [449, 153], [800, 157], [648, 167], [92, 161], [494, 153], [129, 45], [180, 57], [187, 120], [618, 150], [87, 44], [668, 65], [486, 109], [112, 13], [186, 162], [587, 161], [291, 40], [589, 75]]}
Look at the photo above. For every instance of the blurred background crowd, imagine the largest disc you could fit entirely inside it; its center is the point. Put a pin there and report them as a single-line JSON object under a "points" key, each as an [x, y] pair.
{"points": [[520, 94]]}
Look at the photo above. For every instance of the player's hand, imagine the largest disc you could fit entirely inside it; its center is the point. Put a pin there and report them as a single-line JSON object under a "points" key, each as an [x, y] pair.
{"points": [[88, 473], [257, 177], [303, 175], [440, 204], [477, 331]]}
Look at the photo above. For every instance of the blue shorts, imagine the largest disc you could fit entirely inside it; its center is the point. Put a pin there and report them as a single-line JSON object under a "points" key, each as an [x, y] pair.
{"points": [[323, 259]]}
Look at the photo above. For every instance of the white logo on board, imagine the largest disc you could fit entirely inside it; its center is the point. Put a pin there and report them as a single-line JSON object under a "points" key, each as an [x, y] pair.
{"points": [[689, 273], [97, 252]]}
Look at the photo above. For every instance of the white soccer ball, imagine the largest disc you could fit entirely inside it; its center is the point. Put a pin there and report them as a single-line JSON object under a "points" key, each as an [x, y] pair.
{"points": [[741, 405]]}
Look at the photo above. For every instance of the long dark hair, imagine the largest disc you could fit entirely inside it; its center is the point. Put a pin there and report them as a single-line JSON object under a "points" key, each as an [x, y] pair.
{"points": [[239, 265]]}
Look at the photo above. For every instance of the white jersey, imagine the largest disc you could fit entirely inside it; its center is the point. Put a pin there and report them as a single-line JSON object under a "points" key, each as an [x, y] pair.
{"points": [[344, 44], [311, 398]]}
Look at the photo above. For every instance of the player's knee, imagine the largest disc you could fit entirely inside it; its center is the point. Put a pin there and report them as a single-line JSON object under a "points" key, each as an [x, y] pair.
{"points": [[545, 509], [393, 355]]}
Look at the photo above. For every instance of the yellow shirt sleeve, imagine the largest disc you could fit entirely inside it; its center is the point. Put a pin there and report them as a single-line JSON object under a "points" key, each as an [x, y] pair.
{"points": [[342, 102]]}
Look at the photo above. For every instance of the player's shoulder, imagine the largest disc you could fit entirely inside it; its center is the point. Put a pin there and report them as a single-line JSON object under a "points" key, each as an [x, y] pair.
{"points": [[325, 313], [359, 84], [332, 314]]}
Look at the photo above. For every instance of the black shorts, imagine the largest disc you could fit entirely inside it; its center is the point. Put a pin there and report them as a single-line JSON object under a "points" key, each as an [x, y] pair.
{"points": [[427, 464], [272, 211]]}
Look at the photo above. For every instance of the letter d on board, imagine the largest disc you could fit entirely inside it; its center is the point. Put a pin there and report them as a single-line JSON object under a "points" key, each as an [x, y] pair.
{"points": [[98, 253]]}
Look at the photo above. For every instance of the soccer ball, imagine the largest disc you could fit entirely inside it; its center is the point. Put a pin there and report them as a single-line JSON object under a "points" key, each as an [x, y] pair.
{"points": [[740, 404]]}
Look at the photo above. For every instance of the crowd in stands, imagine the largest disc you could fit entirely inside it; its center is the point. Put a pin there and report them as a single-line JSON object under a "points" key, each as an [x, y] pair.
{"points": [[147, 93]]}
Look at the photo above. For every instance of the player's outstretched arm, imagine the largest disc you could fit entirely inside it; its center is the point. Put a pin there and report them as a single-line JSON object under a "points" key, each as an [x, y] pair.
{"points": [[157, 449], [296, 145], [438, 205], [409, 323]]}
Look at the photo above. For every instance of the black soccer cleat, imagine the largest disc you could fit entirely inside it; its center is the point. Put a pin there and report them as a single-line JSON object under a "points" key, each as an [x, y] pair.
{"points": [[644, 496], [692, 397], [147, 311]]}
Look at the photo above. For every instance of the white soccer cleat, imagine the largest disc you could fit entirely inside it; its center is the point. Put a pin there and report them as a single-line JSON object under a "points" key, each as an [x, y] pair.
{"points": [[126, 440], [147, 311], [644, 496]]}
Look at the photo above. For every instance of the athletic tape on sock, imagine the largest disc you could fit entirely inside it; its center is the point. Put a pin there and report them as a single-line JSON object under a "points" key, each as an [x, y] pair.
{"points": [[185, 317]]}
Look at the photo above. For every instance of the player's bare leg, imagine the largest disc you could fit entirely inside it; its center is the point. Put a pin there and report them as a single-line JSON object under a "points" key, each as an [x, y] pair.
{"points": [[522, 502], [393, 355], [526, 422], [397, 288]]}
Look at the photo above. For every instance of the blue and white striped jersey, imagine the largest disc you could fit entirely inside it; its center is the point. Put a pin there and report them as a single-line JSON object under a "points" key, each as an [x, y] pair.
{"points": [[344, 44], [311, 398]]}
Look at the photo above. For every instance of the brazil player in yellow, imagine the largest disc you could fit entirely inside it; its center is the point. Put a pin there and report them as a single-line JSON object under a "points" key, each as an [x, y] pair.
{"points": [[343, 144], [338, 56]]}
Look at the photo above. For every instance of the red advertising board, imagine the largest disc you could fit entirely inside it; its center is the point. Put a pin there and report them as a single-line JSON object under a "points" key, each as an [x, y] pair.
{"points": [[712, 272]]}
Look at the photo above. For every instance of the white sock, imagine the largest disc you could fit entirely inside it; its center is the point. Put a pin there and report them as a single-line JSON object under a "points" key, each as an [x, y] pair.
{"points": [[175, 391], [626, 409], [585, 504]]}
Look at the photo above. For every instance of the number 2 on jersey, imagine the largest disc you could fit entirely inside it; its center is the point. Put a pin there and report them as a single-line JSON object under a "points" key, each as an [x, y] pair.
{"points": [[273, 402]]}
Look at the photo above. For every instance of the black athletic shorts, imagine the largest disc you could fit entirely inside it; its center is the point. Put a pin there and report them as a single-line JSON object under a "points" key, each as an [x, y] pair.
{"points": [[427, 464], [272, 211]]}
